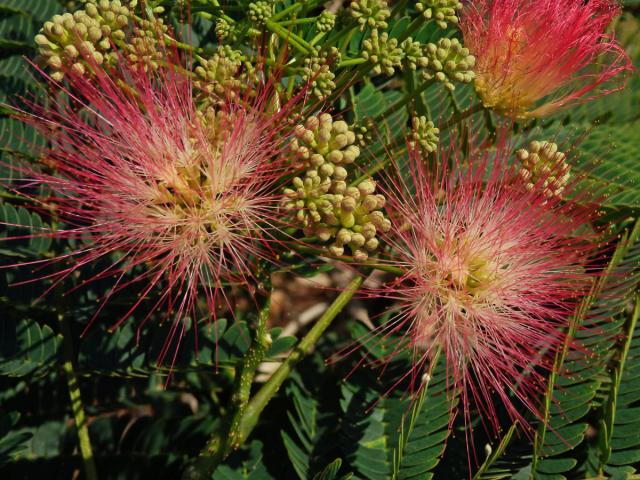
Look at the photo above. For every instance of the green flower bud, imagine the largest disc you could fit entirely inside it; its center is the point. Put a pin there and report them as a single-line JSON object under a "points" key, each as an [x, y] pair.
{"points": [[370, 13], [543, 166], [424, 135], [449, 61], [325, 22], [413, 55], [260, 12], [441, 11], [383, 52]]}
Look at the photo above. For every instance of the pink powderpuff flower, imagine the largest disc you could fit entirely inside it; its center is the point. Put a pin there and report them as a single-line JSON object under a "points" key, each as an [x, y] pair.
{"points": [[185, 201], [534, 57], [493, 270]]}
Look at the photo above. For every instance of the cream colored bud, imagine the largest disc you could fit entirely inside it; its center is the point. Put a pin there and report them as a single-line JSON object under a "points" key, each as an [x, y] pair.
{"points": [[348, 204], [371, 244], [340, 127], [360, 256], [353, 192], [340, 173], [335, 156], [367, 187], [357, 240]]}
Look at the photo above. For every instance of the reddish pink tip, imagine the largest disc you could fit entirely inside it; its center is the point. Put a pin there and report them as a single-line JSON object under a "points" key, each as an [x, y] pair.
{"points": [[534, 57]]}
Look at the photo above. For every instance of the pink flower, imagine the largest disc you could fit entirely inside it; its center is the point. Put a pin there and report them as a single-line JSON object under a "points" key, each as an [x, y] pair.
{"points": [[534, 57], [177, 202], [494, 268]]}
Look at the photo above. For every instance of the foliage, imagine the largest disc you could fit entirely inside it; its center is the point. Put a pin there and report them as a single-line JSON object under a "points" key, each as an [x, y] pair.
{"points": [[330, 420]]}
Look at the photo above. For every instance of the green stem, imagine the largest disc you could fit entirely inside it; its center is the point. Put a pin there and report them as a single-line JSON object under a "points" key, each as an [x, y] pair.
{"points": [[221, 442], [413, 26], [297, 21], [270, 388], [345, 258], [286, 11], [352, 62], [296, 41], [243, 425], [79, 415], [458, 117], [319, 36], [409, 96]]}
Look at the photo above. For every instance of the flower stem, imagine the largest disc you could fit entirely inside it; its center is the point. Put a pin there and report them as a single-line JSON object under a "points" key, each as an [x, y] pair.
{"points": [[77, 407], [243, 422], [308, 249], [458, 117], [220, 443], [287, 35], [408, 97], [412, 27], [297, 21], [270, 388], [352, 62]]}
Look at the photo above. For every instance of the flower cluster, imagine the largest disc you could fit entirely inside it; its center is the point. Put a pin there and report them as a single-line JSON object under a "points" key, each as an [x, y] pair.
{"points": [[188, 195], [423, 135], [493, 268], [448, 61], [383, 52], [220, 73], [83, 38], [442, 11], [322, 202], [318, 75], [543, 166], [370, 13], [534, 58]]}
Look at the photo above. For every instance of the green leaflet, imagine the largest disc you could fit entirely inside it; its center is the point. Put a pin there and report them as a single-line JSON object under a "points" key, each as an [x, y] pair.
{"points": [[12, 443], [249, 467], [394, 434], [309, 441], [609, 155], [124, 353], [17, 222], [27, 348], [424, 432], [619, 435], [576, 377]]}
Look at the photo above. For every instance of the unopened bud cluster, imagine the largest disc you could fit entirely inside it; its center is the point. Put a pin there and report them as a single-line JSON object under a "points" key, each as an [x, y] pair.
{"points": [[365, 130], [318, 75], [449, 61], [370, 13], [325, 22], [146, 45], [83, 38], [382, 52], [442, 12], [413, 54], [543, 166], [322, 202], [219, 73], [260, 12], [225, 30], [424, 135]]}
